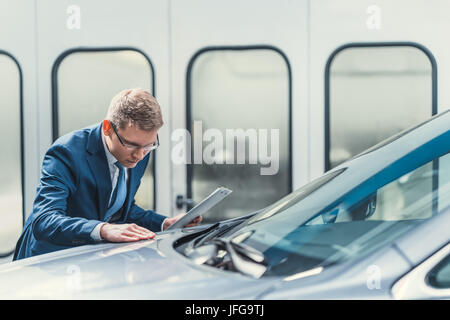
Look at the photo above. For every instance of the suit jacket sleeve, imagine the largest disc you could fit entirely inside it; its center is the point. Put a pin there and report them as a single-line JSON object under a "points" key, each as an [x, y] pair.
{"points": [[145, 218], [50, 221]]}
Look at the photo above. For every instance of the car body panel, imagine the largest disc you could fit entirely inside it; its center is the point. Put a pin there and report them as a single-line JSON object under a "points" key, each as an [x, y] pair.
{"points": [[359, 279], [369, 278], [153, 269], [426, 239], [415, 285], [98, 271]]}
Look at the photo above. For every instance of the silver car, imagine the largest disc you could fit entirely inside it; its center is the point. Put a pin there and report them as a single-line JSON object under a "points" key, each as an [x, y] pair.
{"points": [[375, 227]]}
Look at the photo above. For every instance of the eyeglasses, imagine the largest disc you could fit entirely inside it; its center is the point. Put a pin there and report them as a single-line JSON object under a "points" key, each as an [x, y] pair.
{"points": [[132, 147]]}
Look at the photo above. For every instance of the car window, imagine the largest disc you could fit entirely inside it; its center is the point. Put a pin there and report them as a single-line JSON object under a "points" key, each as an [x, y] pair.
{"points": [[296, 196], [439, 277], [354, 225]]}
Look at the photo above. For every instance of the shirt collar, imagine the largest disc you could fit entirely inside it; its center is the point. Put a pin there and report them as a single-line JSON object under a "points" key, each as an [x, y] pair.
{"points": [[111, 159]]}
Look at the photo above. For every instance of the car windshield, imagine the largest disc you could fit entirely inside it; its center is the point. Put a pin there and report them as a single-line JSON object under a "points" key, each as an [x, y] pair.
{"points": [[298, 234]]}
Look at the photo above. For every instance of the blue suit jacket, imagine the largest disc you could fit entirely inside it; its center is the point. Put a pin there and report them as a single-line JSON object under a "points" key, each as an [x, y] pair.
{"points": [[73, 195]]}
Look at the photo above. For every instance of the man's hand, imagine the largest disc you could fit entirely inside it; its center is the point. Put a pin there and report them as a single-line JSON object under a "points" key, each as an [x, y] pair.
{"points": [[170, 221], [124, 232]]}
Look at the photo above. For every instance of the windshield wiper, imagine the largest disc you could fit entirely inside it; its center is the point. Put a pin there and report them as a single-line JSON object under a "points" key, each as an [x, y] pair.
{"points": [[218, 233], [195, 235], [200, 238], [245, 259]]}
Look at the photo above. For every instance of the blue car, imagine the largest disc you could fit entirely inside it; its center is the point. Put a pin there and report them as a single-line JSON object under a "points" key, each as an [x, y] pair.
{"points": [[375, 227]]}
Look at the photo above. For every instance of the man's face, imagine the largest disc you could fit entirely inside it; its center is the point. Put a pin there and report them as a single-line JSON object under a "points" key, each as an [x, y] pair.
{"points": [[135, 141]]}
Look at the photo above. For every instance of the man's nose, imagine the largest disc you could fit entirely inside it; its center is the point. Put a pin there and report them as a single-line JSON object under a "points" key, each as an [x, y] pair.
{"points": [[139, 154]]}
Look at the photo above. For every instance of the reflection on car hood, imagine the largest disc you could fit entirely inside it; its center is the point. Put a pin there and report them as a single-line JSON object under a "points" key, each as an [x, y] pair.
{"points": [[142, 270]]}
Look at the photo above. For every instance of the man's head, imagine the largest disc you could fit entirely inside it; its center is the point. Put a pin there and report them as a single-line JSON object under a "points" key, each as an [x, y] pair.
{"points": [[131, 126]]}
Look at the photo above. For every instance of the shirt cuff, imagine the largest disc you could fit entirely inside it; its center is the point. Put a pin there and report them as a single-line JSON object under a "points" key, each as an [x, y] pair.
{"points": [[162, 224], [95, 234]]}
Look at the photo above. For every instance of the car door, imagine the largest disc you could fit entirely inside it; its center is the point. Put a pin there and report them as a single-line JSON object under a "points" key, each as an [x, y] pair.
{"points": [[429, 278]]}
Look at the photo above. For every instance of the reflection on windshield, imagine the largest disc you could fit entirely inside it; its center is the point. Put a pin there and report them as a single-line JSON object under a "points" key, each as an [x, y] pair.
{"points": [[295, 196], [355, 225]]}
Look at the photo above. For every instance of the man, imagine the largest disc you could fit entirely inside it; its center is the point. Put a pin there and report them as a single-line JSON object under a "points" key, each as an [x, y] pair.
{"points": [[89, 180]]}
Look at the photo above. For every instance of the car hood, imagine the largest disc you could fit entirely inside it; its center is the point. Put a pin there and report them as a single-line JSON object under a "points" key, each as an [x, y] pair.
{"points": [[149, 269]]}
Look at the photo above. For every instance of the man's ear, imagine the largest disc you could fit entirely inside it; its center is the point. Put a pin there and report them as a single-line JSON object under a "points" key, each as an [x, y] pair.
{"points": [[106, 127]]}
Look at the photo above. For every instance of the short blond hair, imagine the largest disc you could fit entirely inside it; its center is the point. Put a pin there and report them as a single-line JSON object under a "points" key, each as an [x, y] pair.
{"points": [[135, 107]]}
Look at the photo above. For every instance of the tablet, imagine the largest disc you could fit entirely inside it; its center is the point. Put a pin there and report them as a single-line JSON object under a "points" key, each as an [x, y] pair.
{"points": [[214, 198]]}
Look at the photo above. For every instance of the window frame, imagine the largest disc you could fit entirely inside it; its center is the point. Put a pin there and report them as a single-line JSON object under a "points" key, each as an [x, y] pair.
{"points": [[431, 281], [189, 167], [54, 87], [22, 140]]}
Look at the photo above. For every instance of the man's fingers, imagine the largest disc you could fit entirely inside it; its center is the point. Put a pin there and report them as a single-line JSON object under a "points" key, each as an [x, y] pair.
{"points": [[142, 230], [194, 222], [134, 226], [137, 231], [124, 238], [125, 233], [144, 235], [137, 235]]}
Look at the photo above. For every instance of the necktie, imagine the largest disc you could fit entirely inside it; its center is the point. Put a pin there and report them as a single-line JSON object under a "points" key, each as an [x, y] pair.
{"points": [[119, 194]]}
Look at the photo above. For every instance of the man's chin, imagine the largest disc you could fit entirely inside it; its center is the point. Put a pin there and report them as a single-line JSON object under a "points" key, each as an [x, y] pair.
{"points": [[130, 164]]}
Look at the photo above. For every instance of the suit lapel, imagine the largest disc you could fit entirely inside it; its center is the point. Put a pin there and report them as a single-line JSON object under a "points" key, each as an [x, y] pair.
{"points": [[98, 164]]}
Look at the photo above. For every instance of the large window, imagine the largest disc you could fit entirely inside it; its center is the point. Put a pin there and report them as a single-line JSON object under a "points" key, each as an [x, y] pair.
{"points": [[11, 195], [239, 104], [372, 92], [84, 82]]}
